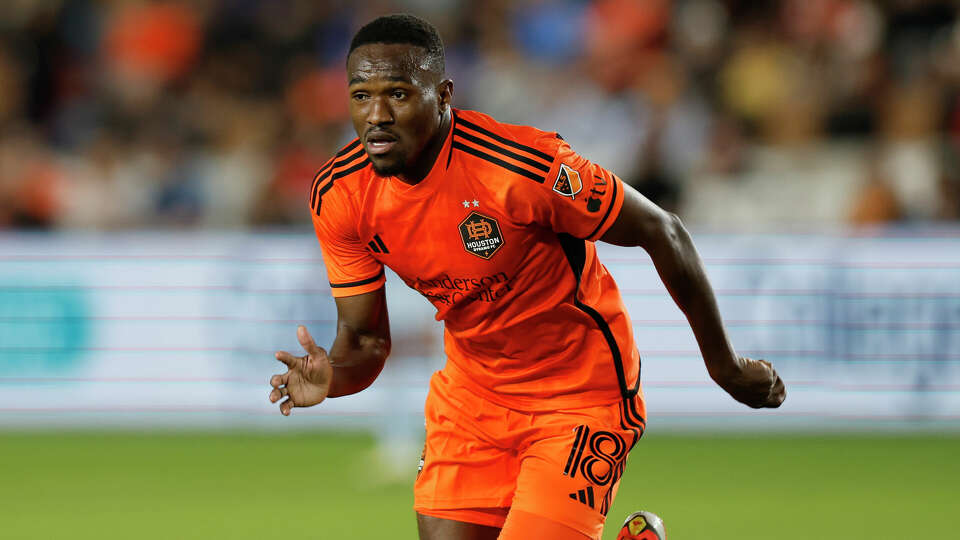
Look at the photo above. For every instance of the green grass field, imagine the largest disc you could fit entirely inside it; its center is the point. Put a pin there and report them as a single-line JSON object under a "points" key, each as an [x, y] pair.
{"points": [[328, 486]]}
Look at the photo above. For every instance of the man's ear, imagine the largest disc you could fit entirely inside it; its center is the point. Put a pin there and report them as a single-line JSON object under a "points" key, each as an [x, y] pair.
{"points": [[445, 95]]}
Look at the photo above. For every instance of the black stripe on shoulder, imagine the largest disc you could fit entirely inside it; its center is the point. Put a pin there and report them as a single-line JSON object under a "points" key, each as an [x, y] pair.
{"points": [[497, 161], [328, 167], [358, 283], [613, 199], [500, 150], [339, 174], [320, 193], [528, 149], [351, 170], [339, 160], [348, 148], [575, 250], [321, 174], [349, 159]]}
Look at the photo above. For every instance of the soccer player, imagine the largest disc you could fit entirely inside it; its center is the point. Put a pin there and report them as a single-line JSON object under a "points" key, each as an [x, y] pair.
{"points": [[530, 422]]}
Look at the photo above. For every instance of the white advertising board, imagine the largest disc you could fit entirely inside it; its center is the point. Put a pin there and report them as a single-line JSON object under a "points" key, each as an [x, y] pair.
{"points": [[173, 330]]}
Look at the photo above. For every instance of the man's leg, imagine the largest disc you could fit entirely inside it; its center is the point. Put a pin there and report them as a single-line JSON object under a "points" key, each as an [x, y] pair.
{"points": [[466, 478], [522, 525], [570, 470], [434, 528]]}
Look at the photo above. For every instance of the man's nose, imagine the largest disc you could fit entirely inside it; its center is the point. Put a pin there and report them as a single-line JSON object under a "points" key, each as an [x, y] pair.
{"points": [[379, 112]]}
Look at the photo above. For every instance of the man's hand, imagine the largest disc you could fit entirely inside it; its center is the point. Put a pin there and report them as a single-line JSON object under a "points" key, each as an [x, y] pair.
{"points": [[307, 380], [754, 383]]}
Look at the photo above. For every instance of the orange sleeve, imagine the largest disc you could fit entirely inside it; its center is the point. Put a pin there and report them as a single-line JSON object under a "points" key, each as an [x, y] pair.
{"points": [[578, 197], [351, 269]]}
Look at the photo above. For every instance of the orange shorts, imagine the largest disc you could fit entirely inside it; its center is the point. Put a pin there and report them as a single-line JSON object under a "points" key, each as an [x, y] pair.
{"points": [[481, 459]]}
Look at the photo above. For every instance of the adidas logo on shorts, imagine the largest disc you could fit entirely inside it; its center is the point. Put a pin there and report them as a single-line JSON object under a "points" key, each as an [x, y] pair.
{"points": [[584, 495]]}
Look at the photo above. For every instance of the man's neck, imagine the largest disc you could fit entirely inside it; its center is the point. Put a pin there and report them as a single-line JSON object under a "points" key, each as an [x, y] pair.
{"points": [[430, 154]]}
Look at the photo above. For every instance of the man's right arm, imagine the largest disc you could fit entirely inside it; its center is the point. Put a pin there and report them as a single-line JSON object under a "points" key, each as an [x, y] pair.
{"points": [[355, 359], [362, 343]]}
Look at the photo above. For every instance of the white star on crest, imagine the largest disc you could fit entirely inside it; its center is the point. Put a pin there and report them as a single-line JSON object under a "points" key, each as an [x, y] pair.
{"points": [[476, 202], [466, 204]]}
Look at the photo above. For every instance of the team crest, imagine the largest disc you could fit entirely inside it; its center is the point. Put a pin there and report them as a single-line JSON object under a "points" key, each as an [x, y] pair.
{"points": [[481, 235], [568, 182]]}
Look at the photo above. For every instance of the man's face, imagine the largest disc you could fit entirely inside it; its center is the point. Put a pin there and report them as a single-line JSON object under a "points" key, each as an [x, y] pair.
{"points": [[394, 104]]}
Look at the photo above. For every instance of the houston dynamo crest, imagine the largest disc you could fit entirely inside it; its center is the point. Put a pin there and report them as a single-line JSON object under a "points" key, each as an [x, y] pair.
{"points": [[481, 235]]}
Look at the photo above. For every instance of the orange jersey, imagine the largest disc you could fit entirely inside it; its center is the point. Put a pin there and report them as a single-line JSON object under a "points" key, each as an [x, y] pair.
{"points": [[499, 238]]}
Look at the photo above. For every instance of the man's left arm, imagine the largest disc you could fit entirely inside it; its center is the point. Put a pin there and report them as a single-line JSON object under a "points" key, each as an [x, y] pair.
{"points": [[642, 223]]}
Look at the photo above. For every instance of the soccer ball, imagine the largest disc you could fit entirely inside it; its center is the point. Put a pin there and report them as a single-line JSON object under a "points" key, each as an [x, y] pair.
{"points": [[642, 526]]}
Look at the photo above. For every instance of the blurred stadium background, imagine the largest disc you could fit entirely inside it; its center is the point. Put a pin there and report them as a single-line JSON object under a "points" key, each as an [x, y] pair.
{"points": [[155, 250]]}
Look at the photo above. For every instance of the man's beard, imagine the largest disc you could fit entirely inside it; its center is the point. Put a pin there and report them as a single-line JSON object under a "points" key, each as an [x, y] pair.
{"points": [[389, 169]]}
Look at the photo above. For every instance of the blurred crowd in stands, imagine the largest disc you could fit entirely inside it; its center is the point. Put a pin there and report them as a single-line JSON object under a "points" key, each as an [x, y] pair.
{"points": [[216, 113]]}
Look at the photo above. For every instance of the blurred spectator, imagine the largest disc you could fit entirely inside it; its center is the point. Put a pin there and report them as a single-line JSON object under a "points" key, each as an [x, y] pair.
{"points": [[151, 43], [217, 113], [876, 203], [29, 181]]}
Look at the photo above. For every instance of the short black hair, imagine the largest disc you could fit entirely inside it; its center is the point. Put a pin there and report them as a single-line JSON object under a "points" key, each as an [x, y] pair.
{"points": [[404, 28]]}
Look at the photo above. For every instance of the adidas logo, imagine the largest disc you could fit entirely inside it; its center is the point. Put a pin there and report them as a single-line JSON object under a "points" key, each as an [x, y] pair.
{"points": [[584, 495], [377, 246]]}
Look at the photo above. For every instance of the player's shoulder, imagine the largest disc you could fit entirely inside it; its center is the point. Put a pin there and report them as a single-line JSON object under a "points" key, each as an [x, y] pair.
{"points": [[536, 139], [340, 175], [524, 150]]}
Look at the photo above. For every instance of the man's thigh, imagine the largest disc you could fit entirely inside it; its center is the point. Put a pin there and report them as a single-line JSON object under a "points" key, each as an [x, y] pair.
{"points": [[570, 475], [464, 466]]}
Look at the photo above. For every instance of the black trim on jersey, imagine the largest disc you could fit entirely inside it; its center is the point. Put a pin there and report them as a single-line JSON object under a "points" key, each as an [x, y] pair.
{"points": [[373, 246], [528, 149], [351, 170], [321, 174], [500, 150], [320, 193], [346, 172], [453, 125], [380, 243], [330, 165], [358, 283], [613, 200], [575, 250], [497, 161], [333, 164], [449, 156]]}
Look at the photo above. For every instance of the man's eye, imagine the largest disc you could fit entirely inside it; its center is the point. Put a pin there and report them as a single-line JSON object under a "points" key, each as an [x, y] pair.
{"points": [[360, 97], [399, 94]]}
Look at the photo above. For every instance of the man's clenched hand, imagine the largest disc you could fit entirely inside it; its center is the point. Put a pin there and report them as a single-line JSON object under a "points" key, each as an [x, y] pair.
{"points": [[754, 383]]}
